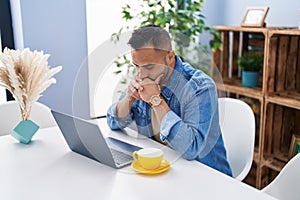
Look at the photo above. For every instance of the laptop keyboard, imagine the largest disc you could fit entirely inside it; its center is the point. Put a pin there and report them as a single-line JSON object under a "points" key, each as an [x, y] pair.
{"points": [[121, 157]]}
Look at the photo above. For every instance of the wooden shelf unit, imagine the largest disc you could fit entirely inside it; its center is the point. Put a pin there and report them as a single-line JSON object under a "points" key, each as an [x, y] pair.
{"points": [[282, 98], [278, 91]]}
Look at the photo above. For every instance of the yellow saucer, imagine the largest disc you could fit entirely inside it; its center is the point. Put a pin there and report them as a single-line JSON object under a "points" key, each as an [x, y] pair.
{"points": [[164, 166]]}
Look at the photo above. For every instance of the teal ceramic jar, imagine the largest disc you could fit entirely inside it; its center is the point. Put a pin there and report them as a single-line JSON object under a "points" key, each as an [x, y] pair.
{"points": [[24, 131]]}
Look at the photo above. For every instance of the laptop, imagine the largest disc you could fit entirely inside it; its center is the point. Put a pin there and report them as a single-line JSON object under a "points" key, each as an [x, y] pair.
{"points": [[85, 138]]}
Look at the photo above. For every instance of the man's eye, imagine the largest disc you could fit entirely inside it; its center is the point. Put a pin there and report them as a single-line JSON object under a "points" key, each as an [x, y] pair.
{"points": [[150, 66]]}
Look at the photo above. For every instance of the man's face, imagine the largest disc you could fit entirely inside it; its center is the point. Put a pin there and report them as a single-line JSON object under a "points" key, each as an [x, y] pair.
{"points": [[150, 63]]}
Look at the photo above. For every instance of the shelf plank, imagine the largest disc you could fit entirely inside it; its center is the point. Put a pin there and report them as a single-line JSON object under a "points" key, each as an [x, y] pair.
{"points": [[272, 64], [285, 31], [298, 71], [241, 29], [288, 99], [235, 52], [264, 30], [268, 119], [235, 86], [273, 163], [256, 157], [282, 57], [225, 54], [277, 129], [292, 63]]}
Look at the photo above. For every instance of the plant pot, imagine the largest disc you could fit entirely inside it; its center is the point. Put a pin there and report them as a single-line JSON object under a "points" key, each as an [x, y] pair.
{"points": [[24, 131], [250, 78]]}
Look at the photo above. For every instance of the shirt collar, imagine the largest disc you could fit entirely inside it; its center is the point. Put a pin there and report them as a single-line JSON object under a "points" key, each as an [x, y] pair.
{"points": [[174, 79]]}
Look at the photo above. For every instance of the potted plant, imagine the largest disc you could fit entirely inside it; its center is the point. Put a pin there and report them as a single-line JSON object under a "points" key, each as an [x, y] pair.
{"points": [[26, 75], [251, 63]]}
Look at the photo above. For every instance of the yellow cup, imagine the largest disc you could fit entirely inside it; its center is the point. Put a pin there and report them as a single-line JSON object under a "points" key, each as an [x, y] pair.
{"points": [[148, 158]]}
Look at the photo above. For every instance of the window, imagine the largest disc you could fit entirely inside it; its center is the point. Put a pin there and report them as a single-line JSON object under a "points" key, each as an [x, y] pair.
{"points": [[6, 38]]}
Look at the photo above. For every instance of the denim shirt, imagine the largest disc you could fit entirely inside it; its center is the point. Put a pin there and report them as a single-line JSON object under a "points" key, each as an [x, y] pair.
{"points": [[191, 127]]}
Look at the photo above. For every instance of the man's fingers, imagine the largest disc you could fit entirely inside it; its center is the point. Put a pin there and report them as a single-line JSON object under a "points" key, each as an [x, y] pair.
{"points": [[136, 95], [133, 92], [135, 84]]}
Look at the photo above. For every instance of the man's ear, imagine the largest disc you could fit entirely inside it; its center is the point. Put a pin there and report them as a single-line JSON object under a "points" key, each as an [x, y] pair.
{"points": [[170, 58]]}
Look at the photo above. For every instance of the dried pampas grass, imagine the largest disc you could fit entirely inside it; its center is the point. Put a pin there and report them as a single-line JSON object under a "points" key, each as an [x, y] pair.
{"points": [[26, 75]]}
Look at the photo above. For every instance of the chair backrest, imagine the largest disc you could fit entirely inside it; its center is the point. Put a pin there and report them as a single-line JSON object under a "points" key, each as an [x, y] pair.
{"points": [[10, 116], [286, 184], [237, 123]]}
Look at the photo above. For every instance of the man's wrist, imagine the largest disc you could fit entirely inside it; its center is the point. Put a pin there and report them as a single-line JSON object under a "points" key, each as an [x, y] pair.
{"points": [[155, 100], [162, 106], [124, 106]]}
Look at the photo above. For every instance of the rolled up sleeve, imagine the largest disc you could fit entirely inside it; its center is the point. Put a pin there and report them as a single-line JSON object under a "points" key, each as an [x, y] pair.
{"points": [[114, 122]]}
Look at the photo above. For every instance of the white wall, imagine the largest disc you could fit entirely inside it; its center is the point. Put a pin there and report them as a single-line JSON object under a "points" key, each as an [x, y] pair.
{"points": [[70, 31], [58, 27], [231, 12], [281, 13]]}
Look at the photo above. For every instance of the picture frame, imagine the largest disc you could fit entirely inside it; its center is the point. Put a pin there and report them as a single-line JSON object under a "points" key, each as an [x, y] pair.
{"points": [[295, 146], [255, 17]]}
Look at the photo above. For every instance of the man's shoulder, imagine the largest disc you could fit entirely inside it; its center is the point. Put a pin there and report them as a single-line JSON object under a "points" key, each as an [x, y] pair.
{"points": [[195, 76], [192, 83], [188, 81]]}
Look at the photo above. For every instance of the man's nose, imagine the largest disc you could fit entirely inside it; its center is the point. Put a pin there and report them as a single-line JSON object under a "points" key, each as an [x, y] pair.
{"points": [[142, 73]]}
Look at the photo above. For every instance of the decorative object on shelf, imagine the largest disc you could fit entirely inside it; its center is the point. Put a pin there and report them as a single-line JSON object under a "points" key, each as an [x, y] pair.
{"points": [[251, 63], [255, 17], [295, 146], [26, 75]]}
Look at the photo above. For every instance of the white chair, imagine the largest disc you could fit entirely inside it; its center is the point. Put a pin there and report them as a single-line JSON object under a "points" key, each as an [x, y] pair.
{"points": [[237, 123], [10, 116], [286, 184]]}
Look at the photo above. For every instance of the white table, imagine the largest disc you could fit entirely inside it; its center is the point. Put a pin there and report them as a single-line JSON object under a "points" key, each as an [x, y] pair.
{"points": [[47, 169]]}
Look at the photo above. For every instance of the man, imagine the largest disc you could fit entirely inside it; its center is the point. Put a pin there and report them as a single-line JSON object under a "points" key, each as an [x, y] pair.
{"points": [[171, 101]]}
